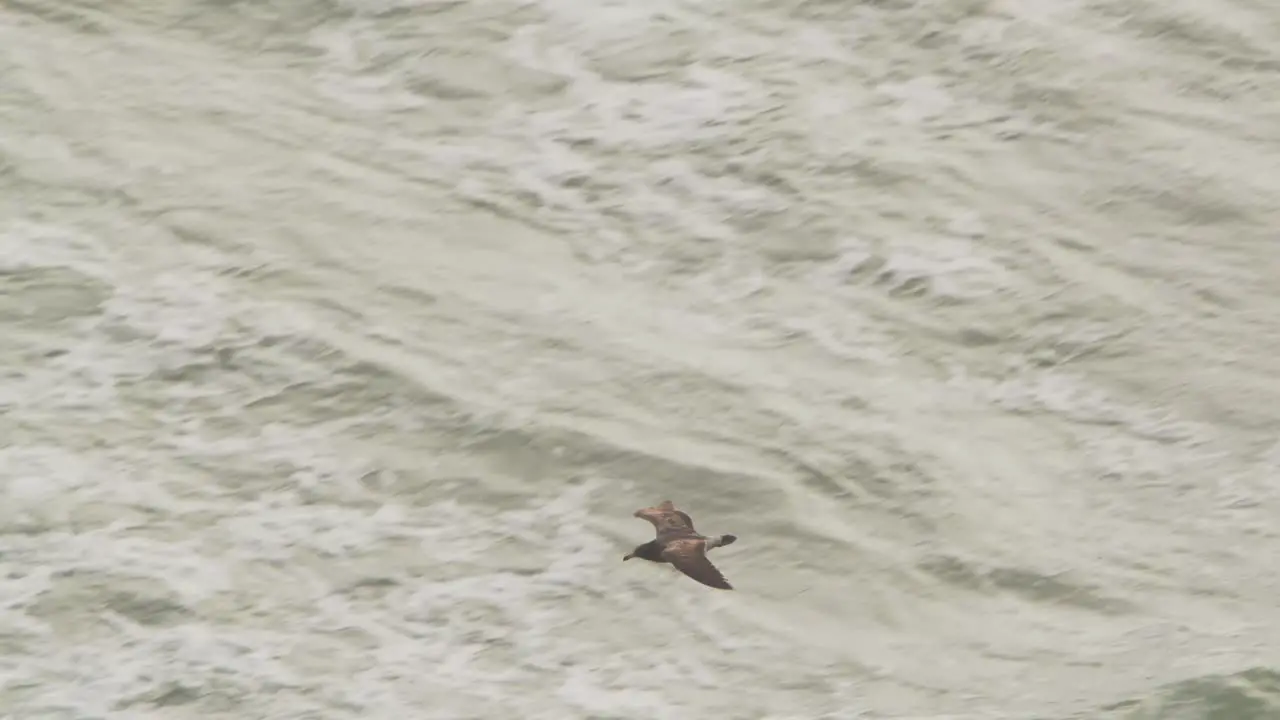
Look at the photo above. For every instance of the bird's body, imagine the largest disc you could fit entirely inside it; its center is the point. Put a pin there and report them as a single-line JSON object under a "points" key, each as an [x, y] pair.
{"points": [[682, 546]]}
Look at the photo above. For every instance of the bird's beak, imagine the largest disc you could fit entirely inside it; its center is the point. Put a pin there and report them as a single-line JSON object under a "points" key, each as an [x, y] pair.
{"points": [[628, 556]]}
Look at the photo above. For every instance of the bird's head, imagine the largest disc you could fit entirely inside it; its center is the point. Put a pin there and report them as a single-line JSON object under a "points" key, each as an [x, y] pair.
{"points": [[647, 551]]}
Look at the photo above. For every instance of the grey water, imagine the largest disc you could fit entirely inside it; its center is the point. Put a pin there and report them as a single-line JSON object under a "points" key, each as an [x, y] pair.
{"points": [[340, 339]]}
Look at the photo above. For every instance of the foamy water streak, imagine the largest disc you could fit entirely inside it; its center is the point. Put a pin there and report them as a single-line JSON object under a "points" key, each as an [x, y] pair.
{"points": [[343, 338]]}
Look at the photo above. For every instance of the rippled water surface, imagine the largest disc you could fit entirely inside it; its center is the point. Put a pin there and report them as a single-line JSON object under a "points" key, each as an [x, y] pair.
{"points": [[341, 338]]}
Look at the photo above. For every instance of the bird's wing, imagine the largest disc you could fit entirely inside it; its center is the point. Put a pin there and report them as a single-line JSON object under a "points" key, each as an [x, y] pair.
{"points": [[687, 520], [667, 520], [668, 506], [689, 555]]}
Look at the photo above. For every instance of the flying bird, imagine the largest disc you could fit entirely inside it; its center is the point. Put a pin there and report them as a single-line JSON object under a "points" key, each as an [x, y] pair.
{"points": [[682, 546]]}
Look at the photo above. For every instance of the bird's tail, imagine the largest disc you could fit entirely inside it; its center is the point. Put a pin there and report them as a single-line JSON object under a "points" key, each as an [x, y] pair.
{"points": [[720, 540]]}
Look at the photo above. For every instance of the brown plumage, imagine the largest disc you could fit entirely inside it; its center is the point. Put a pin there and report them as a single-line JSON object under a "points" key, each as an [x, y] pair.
{"points": [[682, 546]]}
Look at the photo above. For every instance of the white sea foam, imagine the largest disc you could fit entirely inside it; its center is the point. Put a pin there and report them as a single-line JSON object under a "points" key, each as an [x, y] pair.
{"points": [[340, 343]]}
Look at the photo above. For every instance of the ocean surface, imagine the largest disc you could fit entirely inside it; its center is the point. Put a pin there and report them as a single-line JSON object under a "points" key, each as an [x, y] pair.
{"points": [[340, 339]]}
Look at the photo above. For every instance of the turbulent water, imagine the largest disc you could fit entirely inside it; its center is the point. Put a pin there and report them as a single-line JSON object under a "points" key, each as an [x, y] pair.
{"points": [[341, 338]]}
